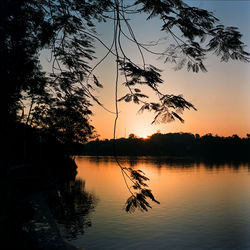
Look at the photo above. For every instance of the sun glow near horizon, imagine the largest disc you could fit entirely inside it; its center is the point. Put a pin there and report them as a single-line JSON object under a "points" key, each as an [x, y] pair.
{"points": [[221, 95]]}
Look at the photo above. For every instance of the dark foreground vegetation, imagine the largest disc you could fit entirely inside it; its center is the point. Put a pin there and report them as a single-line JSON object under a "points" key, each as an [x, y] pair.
{"points": [[46, 114], [175, 145], [37, 164]]}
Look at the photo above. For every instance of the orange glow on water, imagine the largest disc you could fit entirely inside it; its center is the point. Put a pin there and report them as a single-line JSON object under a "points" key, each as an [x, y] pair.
{"points": [[198, 199], [171, 184]]}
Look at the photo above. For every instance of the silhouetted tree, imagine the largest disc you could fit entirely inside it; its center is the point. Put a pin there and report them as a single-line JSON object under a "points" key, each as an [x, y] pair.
{"points": [[66, 28], [177, 145], [132, 136]]}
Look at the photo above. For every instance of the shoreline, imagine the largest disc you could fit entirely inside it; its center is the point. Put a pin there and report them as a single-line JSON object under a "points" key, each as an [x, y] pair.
{"points": [[27, 221], [42, 229]]}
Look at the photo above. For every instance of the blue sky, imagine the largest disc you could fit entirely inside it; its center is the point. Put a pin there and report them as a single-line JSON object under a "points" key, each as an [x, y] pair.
{"points": [[221, 95]]}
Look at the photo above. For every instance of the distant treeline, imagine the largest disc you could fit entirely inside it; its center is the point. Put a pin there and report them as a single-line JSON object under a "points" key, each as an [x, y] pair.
{"points": [[175, 145]]}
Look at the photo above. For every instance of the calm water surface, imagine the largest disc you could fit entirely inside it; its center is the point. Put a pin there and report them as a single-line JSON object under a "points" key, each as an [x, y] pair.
{"points": [[202, 206]]}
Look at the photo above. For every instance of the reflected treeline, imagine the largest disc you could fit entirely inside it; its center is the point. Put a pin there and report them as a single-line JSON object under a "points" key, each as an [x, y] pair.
{"points": [[176, 145], [71, 206], [173, 162]]}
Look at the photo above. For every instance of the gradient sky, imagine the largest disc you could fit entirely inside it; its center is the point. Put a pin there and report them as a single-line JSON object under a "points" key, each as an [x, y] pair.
{"points": [[221, 95]]}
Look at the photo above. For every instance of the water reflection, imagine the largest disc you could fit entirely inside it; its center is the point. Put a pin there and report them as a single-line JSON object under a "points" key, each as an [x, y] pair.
{"points": [[204, 205], [71, 206], [176, 162]]}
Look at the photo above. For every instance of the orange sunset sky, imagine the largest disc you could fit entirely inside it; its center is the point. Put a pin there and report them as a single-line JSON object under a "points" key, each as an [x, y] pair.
{"points": [[222, 95]]}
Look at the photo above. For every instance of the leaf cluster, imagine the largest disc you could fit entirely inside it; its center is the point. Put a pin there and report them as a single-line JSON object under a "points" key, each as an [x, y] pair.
{"points": [[200, 32], [66, 28], [140, 192], [167, 109]]}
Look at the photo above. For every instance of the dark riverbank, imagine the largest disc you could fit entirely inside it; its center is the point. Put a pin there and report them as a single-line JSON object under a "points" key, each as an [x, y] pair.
{"points": [[33, 163], [26, 220]]}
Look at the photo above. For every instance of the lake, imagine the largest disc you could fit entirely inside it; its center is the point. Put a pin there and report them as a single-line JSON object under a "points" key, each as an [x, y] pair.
{"points": [[202, 205]]}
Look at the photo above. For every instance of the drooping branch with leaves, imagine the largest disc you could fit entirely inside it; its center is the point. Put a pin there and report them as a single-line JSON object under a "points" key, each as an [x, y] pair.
{"points": [[193, 24], [59, 102]]}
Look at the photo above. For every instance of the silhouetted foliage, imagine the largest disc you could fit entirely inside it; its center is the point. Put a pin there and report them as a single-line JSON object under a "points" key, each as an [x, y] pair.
{"points": [[139, 201], [176, 145], [139, 191], [186, 145], [57, 104], [66, 28]]}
